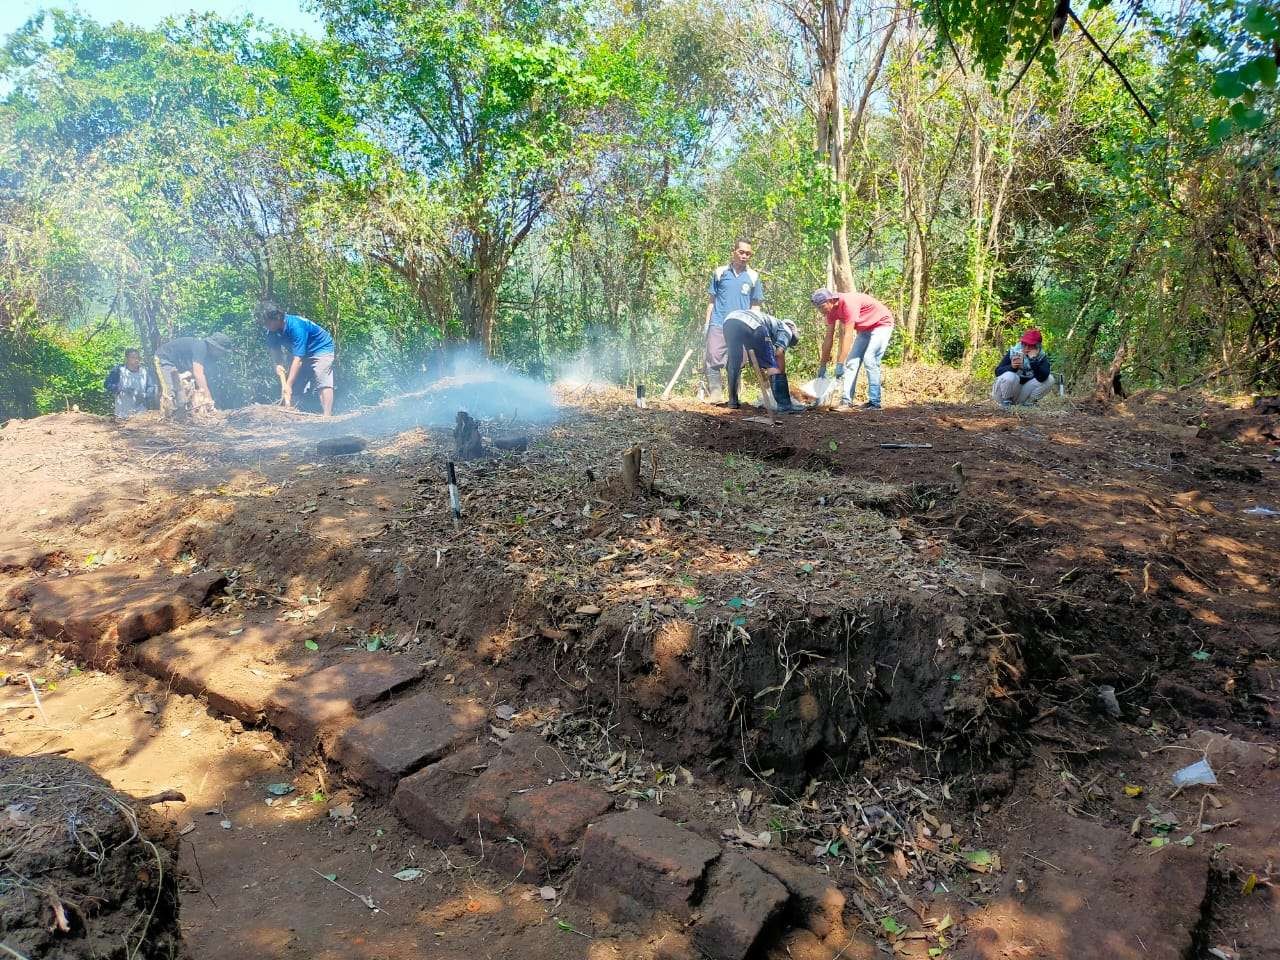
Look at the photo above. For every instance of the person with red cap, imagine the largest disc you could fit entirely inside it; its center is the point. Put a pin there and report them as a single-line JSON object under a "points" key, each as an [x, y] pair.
{"points": [[1023, 375]]}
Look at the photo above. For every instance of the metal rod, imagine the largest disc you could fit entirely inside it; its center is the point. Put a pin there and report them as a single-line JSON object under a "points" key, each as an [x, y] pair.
{"points": [[455, 501]]}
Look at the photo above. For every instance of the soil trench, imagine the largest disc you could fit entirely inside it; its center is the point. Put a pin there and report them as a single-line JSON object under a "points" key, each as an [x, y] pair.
{"points": [[862, 664]]}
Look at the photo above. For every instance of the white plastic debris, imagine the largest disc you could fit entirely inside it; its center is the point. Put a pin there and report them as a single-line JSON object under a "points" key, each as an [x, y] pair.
{"points": [[823, 391], [1195, 775]]}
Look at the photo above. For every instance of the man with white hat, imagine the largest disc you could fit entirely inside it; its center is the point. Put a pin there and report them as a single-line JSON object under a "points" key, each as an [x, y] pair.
{"points": [[190, 357], [769, 339]]}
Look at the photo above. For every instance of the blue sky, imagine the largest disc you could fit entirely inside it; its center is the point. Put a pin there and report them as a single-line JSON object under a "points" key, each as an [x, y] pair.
{"points": [[285, 13]]}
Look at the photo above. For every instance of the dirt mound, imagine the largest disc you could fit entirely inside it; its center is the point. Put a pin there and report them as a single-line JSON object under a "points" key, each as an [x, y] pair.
{"points": [[85, 873], [933, 383]]}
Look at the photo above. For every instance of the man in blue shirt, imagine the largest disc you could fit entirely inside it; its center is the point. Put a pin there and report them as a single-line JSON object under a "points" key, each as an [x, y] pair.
{"points": [[734, 286], [310, 345]]}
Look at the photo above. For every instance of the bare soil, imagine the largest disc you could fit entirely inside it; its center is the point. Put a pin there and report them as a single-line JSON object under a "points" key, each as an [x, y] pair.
{"points": [[795, 630], [87, 872]]}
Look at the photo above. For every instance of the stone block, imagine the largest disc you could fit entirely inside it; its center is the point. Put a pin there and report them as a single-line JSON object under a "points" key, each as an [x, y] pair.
{"points": [[742, 905], [551, 819], [636, 862], [323, 703], [388, 745], [485, 799], [103, 611], [433, 801], [816, 903], [226, 671]]}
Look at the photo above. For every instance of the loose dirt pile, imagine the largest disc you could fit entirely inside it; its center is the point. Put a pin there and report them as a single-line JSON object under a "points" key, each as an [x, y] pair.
{"points": [[84, 872]]}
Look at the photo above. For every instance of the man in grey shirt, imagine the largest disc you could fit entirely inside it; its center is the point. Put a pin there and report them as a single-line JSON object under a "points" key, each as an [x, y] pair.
{"points": [[734, 286]]}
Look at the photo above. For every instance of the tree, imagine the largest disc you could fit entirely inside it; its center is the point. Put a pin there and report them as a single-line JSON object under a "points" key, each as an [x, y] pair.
{"points": [[490, 110]]}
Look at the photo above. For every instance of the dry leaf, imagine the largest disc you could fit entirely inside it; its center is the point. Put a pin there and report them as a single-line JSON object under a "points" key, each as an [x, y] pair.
{"points": [[900, 865], [747, 838]]}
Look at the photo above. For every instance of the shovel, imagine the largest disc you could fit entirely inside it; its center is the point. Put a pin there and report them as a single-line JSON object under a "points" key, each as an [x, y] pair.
{"points": [[766, 394]]}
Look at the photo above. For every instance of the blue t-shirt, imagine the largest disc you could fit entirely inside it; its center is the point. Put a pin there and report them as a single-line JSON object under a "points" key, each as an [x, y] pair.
{"points": [[301, 337], [731, 291]]}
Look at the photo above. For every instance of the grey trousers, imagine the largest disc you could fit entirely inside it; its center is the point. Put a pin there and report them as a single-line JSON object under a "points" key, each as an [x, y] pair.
{"points": [[1009, 389]]}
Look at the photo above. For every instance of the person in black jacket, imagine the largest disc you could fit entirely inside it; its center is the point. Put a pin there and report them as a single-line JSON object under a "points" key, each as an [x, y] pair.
{"points": [[1023, 375], [768, 338], [132, 386]]}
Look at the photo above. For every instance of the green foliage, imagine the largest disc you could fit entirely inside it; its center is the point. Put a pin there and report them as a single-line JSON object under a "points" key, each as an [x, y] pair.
{"points": [[47, 369], [556, 182], [996, 31]]}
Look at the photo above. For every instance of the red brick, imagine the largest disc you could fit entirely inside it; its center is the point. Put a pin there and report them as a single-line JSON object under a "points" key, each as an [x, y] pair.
{"points": [[227, 672], [636, 862], [742, 904], [433, 801], [524, 762], [552, 819], [816, 902], [392, 743], [513, 798], [323, 703], [102, 611], [484, 799]]}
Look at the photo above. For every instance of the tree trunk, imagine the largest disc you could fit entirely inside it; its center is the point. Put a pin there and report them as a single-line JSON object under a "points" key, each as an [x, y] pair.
{"points": [[977, 255], [829, 114], [918, 289], [477, 300]]}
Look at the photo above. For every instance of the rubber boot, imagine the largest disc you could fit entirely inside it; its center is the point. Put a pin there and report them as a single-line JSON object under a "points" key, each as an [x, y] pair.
{"points": [[733, 403], [782, 394], [715, 390]]}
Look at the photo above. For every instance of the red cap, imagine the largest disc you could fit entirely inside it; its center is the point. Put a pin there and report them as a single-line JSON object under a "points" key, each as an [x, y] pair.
{"points": [[1031, 338]]}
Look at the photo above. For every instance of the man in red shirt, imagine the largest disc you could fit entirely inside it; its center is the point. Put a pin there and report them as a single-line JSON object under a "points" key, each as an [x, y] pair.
{"points": [[870, 324]]}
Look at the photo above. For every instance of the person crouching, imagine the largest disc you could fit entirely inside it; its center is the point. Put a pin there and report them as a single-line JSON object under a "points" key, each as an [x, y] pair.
{"points": [[1022, 376], [769, 339]]}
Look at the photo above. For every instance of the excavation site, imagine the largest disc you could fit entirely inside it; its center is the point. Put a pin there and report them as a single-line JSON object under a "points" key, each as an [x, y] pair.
{"points": [[670, 681]]}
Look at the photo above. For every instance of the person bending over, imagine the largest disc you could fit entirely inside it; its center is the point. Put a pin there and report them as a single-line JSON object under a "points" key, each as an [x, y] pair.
{"points": [[184, 370], [871, 324], [769, 339], [297, 344]]}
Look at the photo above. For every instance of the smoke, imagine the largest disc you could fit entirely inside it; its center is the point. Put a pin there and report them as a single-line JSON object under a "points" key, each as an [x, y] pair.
{"points": [[485, 390], [581, 373]]}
